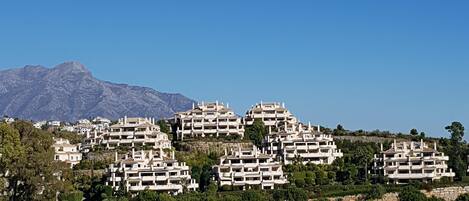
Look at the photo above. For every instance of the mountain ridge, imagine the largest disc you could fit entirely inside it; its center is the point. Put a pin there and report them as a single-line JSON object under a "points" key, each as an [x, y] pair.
{"points": [[69, 92]]}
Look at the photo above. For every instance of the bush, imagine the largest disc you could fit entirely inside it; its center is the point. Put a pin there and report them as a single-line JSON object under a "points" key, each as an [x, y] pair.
{"points": [[296, 194], [376, 192], [410, 193], [71, 196], [463, 197], [300, 183], [252, 195]]}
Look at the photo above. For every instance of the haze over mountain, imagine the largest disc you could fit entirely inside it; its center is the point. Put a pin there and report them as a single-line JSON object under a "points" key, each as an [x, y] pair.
{"points": [[69, 92]]}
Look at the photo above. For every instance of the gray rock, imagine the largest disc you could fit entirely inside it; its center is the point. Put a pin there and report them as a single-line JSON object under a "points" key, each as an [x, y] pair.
{"points": [[69, 92]]}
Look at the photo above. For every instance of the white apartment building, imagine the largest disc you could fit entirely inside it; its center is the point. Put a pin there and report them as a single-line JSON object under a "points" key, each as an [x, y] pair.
{"points": [[208, 119], [135, 132], [66, 152], [54, 123], [407, 161], [150, 170], [39, 124], [271, 114], [245, 169], [93, 135], [299, 143], [8, 120]]}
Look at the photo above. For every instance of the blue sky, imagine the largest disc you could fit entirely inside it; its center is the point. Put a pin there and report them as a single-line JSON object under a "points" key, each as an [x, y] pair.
{"points": [[388, 65]]}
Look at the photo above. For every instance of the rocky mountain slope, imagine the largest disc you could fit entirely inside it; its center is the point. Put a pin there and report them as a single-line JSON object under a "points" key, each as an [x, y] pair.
{"points": [[69, 92]]}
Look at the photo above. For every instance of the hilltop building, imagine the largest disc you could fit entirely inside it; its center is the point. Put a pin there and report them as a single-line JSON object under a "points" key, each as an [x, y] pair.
{"points": [[243, 169], [412, 161], [150, 170], [135, 132], [208, 120], [272, 114], [299, 143]]}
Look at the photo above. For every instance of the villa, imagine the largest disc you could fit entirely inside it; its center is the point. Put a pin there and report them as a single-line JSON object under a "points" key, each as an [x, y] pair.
{"points": [[66, 152]]}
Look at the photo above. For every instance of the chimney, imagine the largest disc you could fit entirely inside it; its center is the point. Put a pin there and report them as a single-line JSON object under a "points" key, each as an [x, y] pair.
{"points": [[193, 105], [125, 119], [133, 153], [227, 105], [434, 145], [319, 128], [116, 156], [381, 147], [173, 156], [283, 105]]}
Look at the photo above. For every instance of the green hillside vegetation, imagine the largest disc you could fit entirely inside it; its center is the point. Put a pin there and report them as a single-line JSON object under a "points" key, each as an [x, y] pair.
{"points": [[28, 171]]}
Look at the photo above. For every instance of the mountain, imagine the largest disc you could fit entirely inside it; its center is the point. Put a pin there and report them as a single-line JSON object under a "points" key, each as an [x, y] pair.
{"points": [[69, 92]]}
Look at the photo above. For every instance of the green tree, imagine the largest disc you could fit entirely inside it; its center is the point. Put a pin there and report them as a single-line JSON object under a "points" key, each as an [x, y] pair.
{"points": [[163, 126], [457, 151], [339, 130], [256, 132], [456, 129], [463, 197], [33, 175], [422, 135], [414, 132]]}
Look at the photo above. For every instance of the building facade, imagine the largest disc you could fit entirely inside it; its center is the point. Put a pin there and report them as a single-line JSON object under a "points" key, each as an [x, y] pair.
{"points": [[150, 170], [135, 132], [249, 168], [272, 114], [208, 120], [412, 161], [303, 144], [66, 152]]}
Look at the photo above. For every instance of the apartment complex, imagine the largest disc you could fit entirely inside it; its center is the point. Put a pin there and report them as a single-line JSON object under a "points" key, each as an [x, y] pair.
{"points": [[66, 152], [135, 132], [150, 170], [208, 120], [271, 114], [299, 143], [249, 168], [412, 161]]}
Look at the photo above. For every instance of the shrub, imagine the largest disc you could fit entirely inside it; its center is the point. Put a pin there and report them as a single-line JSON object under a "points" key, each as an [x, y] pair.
{"points": [[410, 193], [376, 192], [71, 196], [463, 197], [300, 183]]}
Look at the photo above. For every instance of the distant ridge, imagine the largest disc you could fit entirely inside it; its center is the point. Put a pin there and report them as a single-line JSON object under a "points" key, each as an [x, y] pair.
{"points": [[69, 92]]}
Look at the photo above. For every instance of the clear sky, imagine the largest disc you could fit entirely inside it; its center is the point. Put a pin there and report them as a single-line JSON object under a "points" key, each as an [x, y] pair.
{"points": [[388, 65]]}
